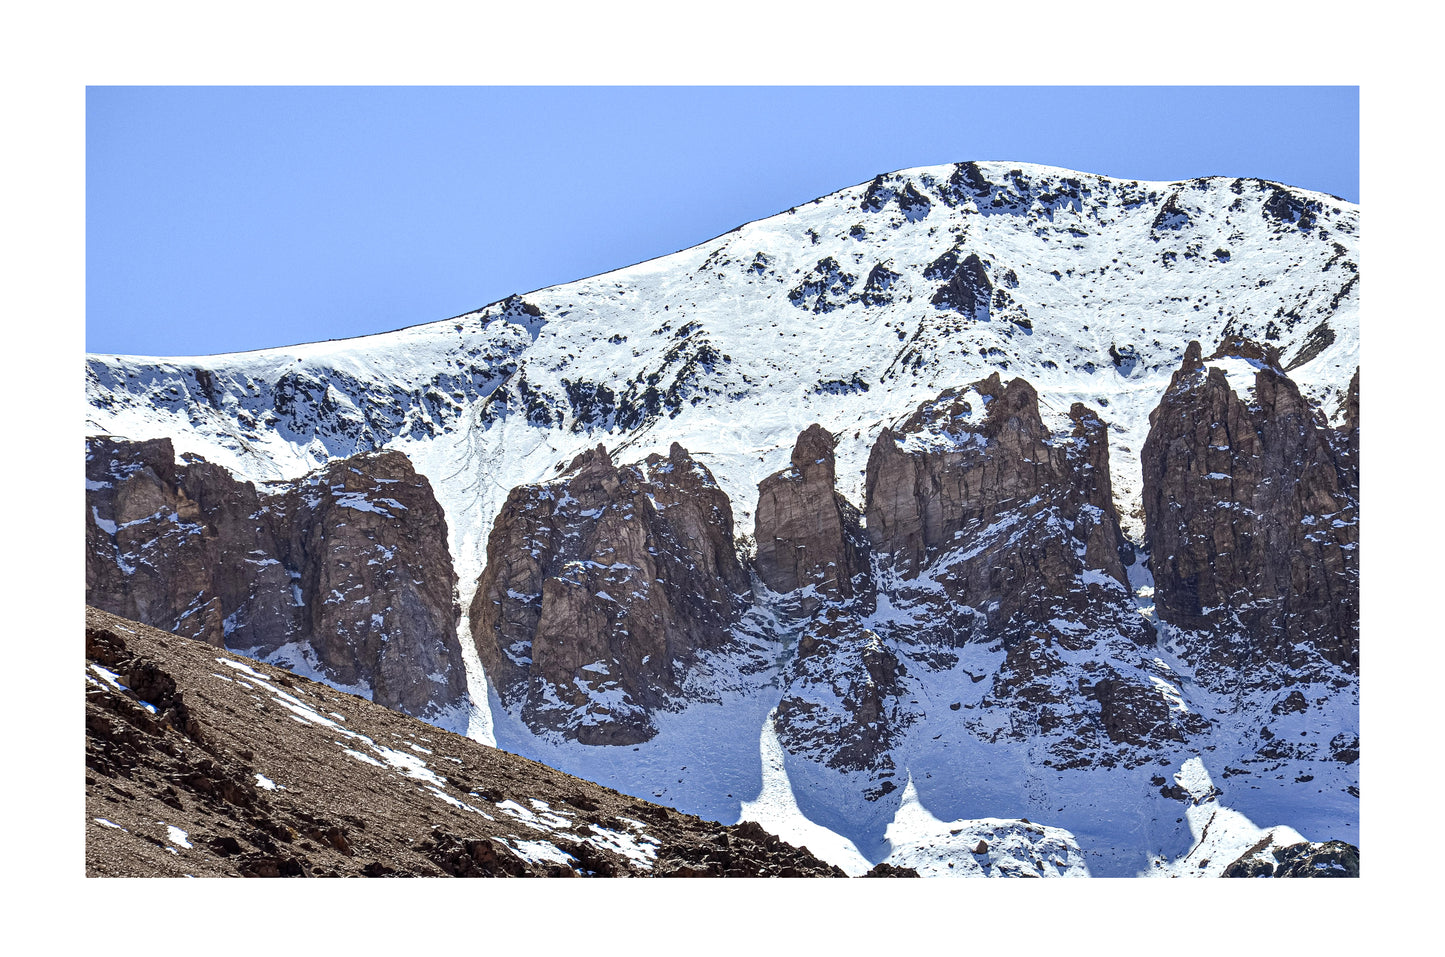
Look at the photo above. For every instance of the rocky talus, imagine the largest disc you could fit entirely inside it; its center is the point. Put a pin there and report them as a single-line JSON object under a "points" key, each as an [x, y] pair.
{"points": [[345, 572], [204, 764], [1303, 859], [601, 587], [1252, 517]]}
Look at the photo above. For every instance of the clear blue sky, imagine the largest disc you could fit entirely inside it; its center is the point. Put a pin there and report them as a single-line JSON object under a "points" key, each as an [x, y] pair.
{"points": [[231, 218]]}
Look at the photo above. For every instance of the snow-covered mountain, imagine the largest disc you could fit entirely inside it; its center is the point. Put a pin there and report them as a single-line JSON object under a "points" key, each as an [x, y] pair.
{"points": [[859, 311]]}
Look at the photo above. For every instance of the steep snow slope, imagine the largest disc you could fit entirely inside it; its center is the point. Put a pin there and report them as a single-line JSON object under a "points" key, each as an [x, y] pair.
{"points": [[847, 311]]}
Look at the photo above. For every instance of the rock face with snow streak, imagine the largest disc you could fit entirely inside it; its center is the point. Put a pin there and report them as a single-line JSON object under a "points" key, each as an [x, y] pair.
{"points": [[1253, 517], [809, 536], [1011, 521], [375, 580], [183, 546], [845, 703], [346, 571], [996, 530], [989, 531], [601, 587]]}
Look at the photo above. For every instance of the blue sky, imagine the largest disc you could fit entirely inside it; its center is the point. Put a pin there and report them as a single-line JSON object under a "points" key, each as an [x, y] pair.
{"points": [[230, 218]]}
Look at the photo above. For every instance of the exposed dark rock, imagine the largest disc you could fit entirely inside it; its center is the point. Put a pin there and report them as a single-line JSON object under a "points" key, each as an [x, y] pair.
{"points": [[1022, 512], [885, 869], [1293, 703], [913, 204], [1241, 347], [1125, 358], [350, 562], [968, 292], [808, 534], [1133, 713], [944, 266], [518, 396], [1252, 520], [607, 579], [843, 703], [686, 375], [824, 288], [877, 195], [1306, 859], [378, 592], [175, 545], [1012, 535], [966, 181], [1286, 208], [876, 286], [1345, 748], [1171, 216]]}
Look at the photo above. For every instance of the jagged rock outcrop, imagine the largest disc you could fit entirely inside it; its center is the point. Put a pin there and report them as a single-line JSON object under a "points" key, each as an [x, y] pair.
{"points": [[968, 291], [183, 546], [1252, 517], [345, 572], [809, 536], [601, 587], [844, 704], [987, 530], [368, 542], [990, 529], [1016, 525], [1303, 859]]}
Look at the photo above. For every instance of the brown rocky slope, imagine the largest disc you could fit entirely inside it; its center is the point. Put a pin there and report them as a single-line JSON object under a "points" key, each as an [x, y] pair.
{"points": [[202, 763]]}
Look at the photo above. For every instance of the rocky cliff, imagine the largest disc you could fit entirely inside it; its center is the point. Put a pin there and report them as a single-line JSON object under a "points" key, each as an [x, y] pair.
{"points": [[996, 559], [1252, 513], [809, 537], [183, 546], [375, 580], [345, 573], [602, 587], [1006, 517]]}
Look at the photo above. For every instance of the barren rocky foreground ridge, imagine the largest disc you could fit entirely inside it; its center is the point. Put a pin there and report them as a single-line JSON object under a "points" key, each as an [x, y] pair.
{"points": [[208, 764], [1052, 518]]}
